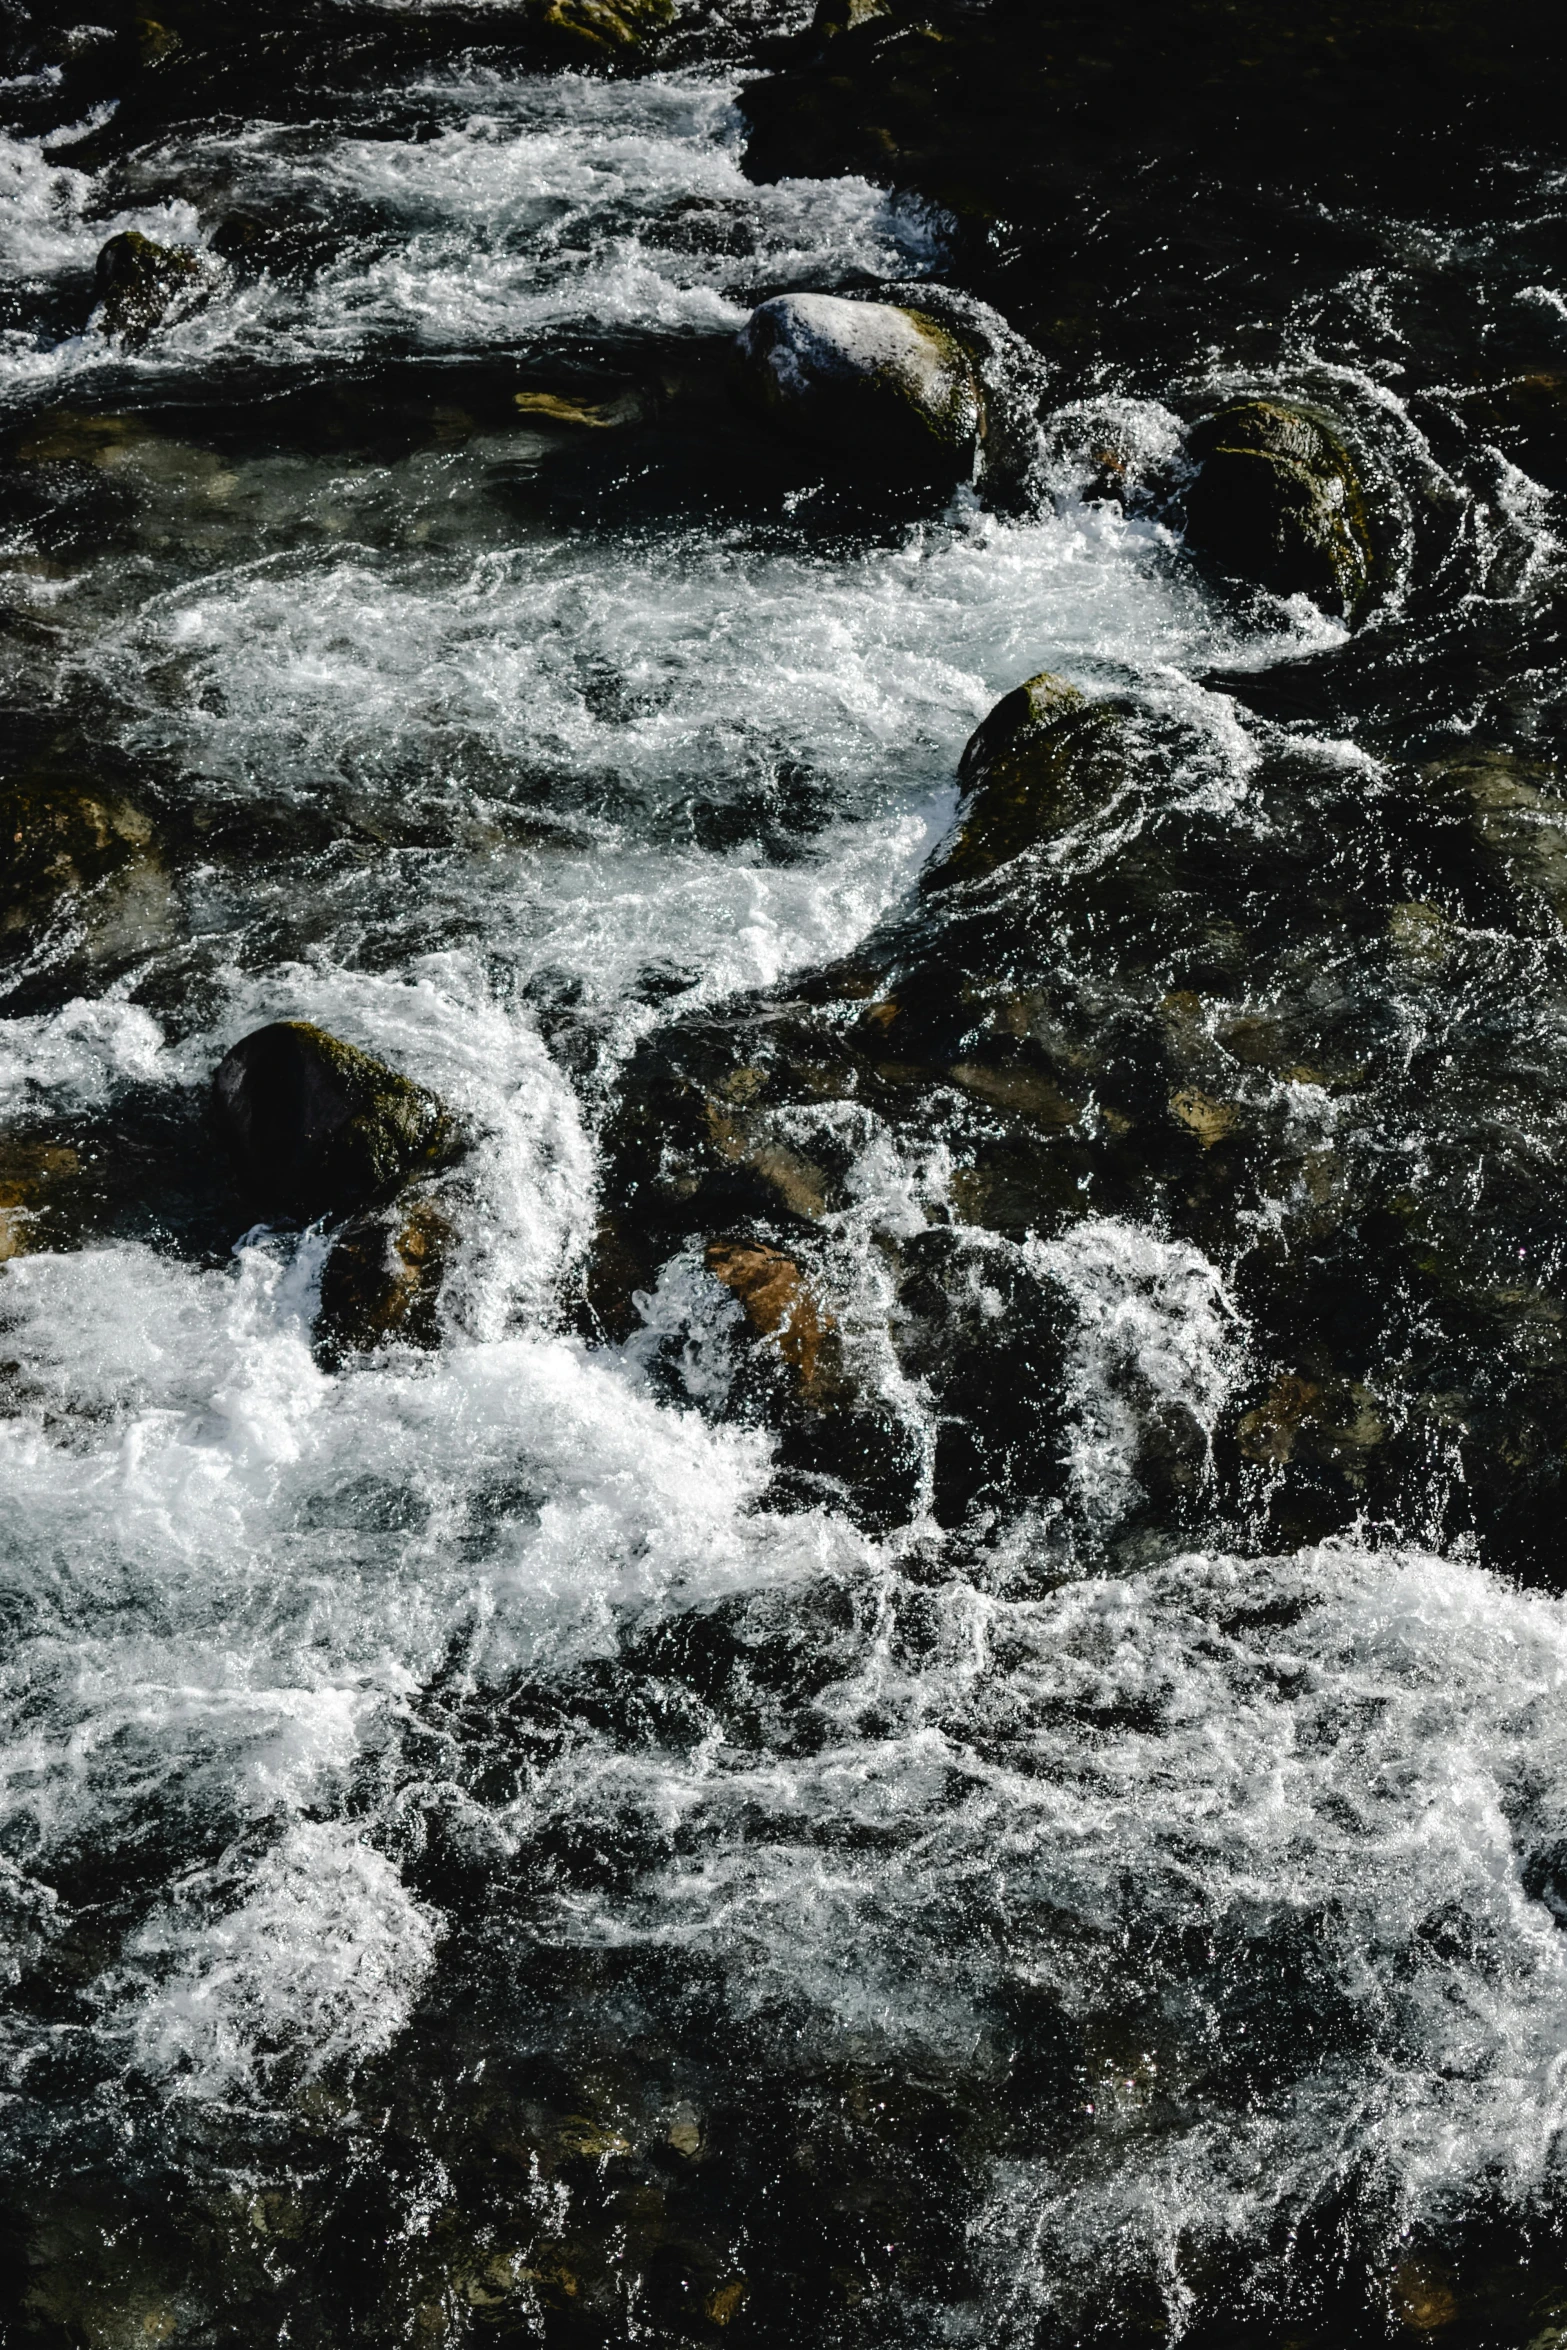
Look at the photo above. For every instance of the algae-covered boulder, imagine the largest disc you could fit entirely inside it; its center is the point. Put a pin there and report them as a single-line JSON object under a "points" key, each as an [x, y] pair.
{"points": [[139, 282], [1043, 759], [872, 380], [1277, 499], [318, 1127], [380, 1284]]}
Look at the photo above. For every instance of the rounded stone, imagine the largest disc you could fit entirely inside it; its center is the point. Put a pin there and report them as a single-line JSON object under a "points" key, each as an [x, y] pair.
{"points": [[1278, 500], [319, 1128], [867, 379]]}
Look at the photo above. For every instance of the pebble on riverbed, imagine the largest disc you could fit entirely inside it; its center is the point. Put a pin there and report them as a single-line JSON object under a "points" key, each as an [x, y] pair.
{"points": [[318, 1127]]}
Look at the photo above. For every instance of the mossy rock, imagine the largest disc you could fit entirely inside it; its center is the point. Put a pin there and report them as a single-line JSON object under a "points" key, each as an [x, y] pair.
{"points": [[870, 380], [60, 837], [319, 1128], [602, 28], [139, 282], [1278, 500], [381, 1283], [1042, 760]]}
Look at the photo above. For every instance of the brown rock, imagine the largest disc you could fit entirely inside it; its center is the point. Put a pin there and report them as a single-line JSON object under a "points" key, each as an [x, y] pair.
{"points": [[381, 1283], [27, 1172], [773, 1294]]}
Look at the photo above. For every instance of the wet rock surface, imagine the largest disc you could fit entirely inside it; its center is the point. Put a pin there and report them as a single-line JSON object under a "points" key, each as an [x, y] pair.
{"points": [[887, 385], [1277, 499], [380, 1284], [140, 283], [317, 1127]]}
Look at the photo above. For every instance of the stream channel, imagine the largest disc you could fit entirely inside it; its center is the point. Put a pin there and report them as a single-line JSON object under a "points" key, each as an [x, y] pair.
{"points": [[1033, 1811]]}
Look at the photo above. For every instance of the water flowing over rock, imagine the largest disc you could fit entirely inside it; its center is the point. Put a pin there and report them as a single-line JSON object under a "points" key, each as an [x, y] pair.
{"points": [[381, 1283], [825, 1605], [139, 282]]}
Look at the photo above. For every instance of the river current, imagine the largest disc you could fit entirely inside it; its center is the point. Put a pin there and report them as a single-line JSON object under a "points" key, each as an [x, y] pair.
{"points": [[483, 1853]]}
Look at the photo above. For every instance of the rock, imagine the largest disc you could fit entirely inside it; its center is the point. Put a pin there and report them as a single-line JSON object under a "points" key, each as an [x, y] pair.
{"points": [[139, 283], [319, 1128], [1042, 759], [590, 416], [841, 16], [1277, 500], [62, 837], [587, 28], [865, 379], [776, 1300], [382, 1280], [28, 1172], [1514, 810]]}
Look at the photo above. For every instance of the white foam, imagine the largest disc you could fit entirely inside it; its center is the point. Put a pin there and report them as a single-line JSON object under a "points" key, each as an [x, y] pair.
{"points": [[321, 1961]]}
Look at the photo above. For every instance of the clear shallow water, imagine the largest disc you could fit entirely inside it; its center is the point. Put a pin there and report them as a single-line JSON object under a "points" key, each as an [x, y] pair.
{"points": [[480, 1850]]}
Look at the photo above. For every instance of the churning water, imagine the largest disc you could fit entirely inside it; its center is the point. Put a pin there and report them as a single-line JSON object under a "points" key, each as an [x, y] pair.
{"points": [[481, 1850]]}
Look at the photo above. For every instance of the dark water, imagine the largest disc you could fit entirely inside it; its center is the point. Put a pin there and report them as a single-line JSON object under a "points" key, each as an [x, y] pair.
{"points": [[1037, 1810]]}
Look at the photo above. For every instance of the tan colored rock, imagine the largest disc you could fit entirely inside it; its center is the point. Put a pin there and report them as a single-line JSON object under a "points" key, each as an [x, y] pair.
{"points": [[27, 1172], [776, 1300]]}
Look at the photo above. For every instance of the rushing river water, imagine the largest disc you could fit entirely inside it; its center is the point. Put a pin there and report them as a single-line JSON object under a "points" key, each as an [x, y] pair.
{"points": [[495, 1843]]}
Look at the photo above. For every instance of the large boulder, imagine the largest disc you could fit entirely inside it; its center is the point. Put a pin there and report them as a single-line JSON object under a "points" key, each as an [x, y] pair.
{"points": [[1042, 760], [319, 1128], [1277, 499], [872, 380]]}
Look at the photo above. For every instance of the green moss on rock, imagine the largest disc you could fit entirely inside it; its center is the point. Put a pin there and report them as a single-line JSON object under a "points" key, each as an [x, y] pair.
{"points": [[319, 1128], [1043, 759], [1278, 500]]}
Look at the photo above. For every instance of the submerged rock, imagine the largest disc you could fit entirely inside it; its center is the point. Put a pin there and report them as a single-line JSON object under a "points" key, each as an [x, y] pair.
{"points": [[589, 28], [139, 282], [29, 1171], [867, 379], [776, 1299], [1277, 499], [320, 1128], [62, 837], [382, 1280]]}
